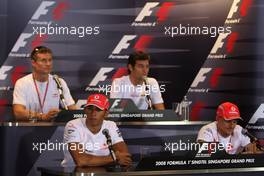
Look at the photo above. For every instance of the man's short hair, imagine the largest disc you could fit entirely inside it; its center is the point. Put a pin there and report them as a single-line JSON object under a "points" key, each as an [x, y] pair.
{"points": [[138, 55], [39, 49]]}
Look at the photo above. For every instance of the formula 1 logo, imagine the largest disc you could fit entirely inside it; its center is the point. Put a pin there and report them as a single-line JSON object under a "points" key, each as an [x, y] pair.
{"points": [[239, 8], [200, 78], [224, 45], [21, 43], [207, 149], [202, 75], [148, 10], [42, 9], [141, 44], [101, 75], [259, 114], [3, 70]]}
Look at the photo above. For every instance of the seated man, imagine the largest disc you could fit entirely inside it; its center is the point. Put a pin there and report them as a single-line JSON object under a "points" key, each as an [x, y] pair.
{"points": [[145, 92], [37, 94], [226, 131], [86, 142]]}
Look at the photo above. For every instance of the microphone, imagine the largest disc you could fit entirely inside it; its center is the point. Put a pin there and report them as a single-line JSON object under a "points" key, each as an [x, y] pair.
{"points": [[145, 78], [109, 143], [56, 79], [59, 86], [252, 137]]}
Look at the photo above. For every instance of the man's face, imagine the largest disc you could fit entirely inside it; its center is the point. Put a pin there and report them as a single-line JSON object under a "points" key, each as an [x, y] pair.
{"points": [[226, 127], [140, 69], [95, 116], [43, 63]]}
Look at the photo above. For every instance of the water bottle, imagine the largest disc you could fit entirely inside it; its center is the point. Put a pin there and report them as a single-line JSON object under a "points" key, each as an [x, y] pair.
{"points": [[185, 109]]}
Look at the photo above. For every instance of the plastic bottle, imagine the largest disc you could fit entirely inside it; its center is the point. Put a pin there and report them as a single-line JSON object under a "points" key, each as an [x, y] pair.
{"points": [[185, 109]]}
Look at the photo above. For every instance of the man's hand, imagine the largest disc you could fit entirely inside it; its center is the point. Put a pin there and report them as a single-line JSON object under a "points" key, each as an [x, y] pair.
{"points": [[123, 159], [50, 115]]}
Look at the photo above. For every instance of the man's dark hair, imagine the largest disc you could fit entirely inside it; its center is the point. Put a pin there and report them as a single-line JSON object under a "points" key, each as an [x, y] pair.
{"points": [[39, 49], [138, 55]]}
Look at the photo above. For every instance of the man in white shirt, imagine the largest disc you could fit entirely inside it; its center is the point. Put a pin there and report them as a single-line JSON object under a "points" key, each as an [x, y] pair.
{"points": [[37, 94], [144, 91], [226, 131], [86, 142]]}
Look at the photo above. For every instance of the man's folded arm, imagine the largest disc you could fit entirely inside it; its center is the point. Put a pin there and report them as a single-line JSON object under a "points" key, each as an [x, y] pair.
{"points": [[82, 159]]}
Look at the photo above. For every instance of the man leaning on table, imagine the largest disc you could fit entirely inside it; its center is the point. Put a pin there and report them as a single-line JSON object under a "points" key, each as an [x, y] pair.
{"points": [[86, 143], [37, 94], [225, 130]]}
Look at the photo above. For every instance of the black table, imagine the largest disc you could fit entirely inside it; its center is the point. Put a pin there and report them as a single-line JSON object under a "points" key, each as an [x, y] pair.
{"points": [[101, 171]]}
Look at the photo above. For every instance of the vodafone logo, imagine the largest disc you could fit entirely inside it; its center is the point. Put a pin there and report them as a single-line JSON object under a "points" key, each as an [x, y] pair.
{"points": [[140, 44], [233, 109], [148, 10]]}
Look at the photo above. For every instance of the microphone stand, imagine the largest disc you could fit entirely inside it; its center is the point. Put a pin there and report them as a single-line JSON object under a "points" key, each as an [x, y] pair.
{"points": [[56, 79], [258, 145], [147, 95], [115, 167], [254, 139]]}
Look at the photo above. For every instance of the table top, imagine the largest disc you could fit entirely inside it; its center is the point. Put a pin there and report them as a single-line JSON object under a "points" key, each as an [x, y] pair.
{"points": [[23, 123], [100, 171]]}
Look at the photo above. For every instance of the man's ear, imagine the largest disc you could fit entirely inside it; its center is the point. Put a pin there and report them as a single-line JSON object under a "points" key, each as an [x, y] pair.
{"points": [[130, 68], [106, 114], [33, 62]]}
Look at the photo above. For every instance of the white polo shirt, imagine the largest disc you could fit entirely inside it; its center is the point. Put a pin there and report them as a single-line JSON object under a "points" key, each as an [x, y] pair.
{"points": [[123, 88], [76, 131], [25, 93], [208, 133]]}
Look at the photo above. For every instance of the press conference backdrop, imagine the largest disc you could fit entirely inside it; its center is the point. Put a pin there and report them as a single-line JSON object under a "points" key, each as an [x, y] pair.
{"points": [[211, 51]]}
